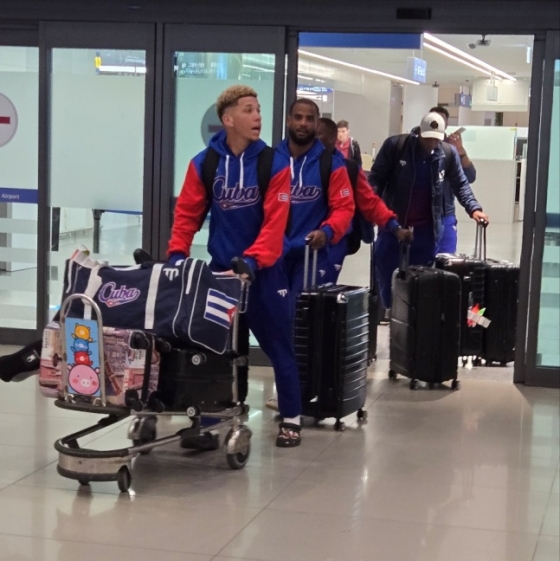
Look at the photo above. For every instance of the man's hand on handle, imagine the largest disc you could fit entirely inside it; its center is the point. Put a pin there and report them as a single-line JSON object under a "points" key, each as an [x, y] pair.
{"points": [[479, 216], [404, 235], [317, 239]]}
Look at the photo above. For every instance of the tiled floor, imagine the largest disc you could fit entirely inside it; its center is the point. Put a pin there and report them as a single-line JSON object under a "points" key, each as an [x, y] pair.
{"points": [[433, 476]]}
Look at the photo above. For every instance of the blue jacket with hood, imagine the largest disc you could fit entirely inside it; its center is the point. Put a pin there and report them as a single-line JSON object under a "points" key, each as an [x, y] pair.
{"points": [[241, 223], [311, 209]]}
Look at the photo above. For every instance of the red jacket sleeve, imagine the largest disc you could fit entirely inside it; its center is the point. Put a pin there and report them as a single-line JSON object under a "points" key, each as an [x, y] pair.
{"points": [[370, 204], [341, 204], [190, 211], [268, 246]]}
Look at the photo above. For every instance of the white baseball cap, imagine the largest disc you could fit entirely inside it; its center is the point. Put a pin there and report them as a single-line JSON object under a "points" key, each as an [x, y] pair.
{"points": [[432, 126]]}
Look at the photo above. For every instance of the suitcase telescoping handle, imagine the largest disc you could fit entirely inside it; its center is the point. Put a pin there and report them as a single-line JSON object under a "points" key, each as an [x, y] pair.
{"points": [[404, 256], [480, 240], [306, 267]]}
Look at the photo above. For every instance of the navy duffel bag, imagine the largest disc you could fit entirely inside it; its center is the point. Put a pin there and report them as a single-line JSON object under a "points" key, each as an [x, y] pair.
{"points": [[186, 302]]}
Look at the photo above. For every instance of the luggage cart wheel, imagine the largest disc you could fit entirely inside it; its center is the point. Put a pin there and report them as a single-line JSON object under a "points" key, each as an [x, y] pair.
{"points": [[392, 375], [413, 384], [455, 385], [362, 415], [339, 425], [147, 432], [237, 459], [124, 479]]}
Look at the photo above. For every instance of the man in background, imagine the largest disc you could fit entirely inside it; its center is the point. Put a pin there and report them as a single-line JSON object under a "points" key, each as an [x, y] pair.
{"points": [[347, 145]]}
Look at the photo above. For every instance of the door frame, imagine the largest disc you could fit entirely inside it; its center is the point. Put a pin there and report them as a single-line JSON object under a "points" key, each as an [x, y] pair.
{"points": [[17, 37], [78, 35], [540, 127]]}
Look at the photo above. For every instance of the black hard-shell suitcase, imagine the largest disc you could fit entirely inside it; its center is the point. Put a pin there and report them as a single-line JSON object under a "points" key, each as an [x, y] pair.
{"points": [[197, 378], [472, 272], [374, 308], [502, 297], [424, 325], [331, 341]]}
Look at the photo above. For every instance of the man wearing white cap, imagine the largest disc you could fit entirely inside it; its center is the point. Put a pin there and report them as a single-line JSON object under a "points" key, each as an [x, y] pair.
{"points": [[409, 176]]}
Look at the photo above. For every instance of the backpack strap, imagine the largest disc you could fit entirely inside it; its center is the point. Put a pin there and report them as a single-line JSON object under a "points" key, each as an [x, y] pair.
{"points": [[353, 170], [209, 168], [264, 169], [325, 169], [399, 149]]}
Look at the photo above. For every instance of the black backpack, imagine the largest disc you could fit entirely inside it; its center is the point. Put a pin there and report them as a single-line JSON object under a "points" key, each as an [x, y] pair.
{"points": [[360, 226], [210, 165], [208, 171]]}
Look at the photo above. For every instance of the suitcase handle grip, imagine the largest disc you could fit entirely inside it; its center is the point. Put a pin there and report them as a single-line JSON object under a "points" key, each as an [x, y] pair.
{"points": [[404, 257], [480, 240], [306, 266]]}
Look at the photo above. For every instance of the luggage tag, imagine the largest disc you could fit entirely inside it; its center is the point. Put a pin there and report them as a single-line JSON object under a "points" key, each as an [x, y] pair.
{"points": [[475, 316], [82, 357]]}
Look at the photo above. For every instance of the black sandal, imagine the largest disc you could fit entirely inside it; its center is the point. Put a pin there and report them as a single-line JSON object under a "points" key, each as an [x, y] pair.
{"points": [[288, 435]]}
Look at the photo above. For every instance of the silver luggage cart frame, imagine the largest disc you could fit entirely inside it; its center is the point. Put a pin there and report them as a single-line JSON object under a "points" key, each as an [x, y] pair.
{"points": [[86, 464]]}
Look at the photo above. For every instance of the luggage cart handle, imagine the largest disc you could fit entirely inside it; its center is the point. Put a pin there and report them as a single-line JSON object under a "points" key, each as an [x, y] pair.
{"points": [[306, 266], [480, 240]]}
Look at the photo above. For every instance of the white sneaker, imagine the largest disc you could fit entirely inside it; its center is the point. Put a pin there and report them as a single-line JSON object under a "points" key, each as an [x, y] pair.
{"points": [[272, 403]]}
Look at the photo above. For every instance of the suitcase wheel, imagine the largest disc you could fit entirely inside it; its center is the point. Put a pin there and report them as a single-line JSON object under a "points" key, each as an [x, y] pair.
{"points": [[455, 385], [362, 415], [465, 361], [124, 479], [432, 386], [413, 384], [392, 375], [339, 425], [477, 361]]}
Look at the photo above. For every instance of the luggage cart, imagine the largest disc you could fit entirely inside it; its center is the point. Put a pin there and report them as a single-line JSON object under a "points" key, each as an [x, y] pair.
{"points": [[85, 464]]}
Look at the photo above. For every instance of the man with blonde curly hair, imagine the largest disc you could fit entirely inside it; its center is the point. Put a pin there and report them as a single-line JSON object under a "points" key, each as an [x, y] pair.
{"points": [[247, 219]]}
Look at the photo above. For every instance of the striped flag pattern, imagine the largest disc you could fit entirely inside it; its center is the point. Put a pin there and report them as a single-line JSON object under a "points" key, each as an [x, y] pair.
{"points": [[220, 308]]}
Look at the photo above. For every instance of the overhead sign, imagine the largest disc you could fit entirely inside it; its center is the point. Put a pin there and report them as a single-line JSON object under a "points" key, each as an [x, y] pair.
{"points": [[8, 120], [361, 40], [416, 69], [314, 89]]}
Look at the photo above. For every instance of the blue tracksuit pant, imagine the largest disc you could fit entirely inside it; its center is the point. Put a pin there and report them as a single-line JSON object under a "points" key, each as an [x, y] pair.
{"points": [[422, 252], [448, 242], [337, 254], [270, 316]]}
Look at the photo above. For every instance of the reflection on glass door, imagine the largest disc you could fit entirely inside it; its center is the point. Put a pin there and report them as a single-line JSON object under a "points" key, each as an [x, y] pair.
{"points": [[96, 156], [548, 348], [19, 121], [199, 80]]}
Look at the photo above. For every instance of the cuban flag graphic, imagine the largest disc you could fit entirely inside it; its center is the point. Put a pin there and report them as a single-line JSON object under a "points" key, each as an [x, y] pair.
{"points": [[220, 308]]}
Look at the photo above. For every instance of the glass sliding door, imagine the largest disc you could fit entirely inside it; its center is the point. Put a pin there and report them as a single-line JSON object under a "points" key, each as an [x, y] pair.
{"points": [[538, 342], [98, 172]]}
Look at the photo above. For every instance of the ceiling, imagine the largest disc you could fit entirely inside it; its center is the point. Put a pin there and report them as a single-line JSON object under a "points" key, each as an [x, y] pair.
{"points": [[505, 52]]}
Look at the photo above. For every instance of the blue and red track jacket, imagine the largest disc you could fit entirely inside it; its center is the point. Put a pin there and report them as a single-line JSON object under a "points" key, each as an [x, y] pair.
{"points": [[309, 207], [241, 223]]}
